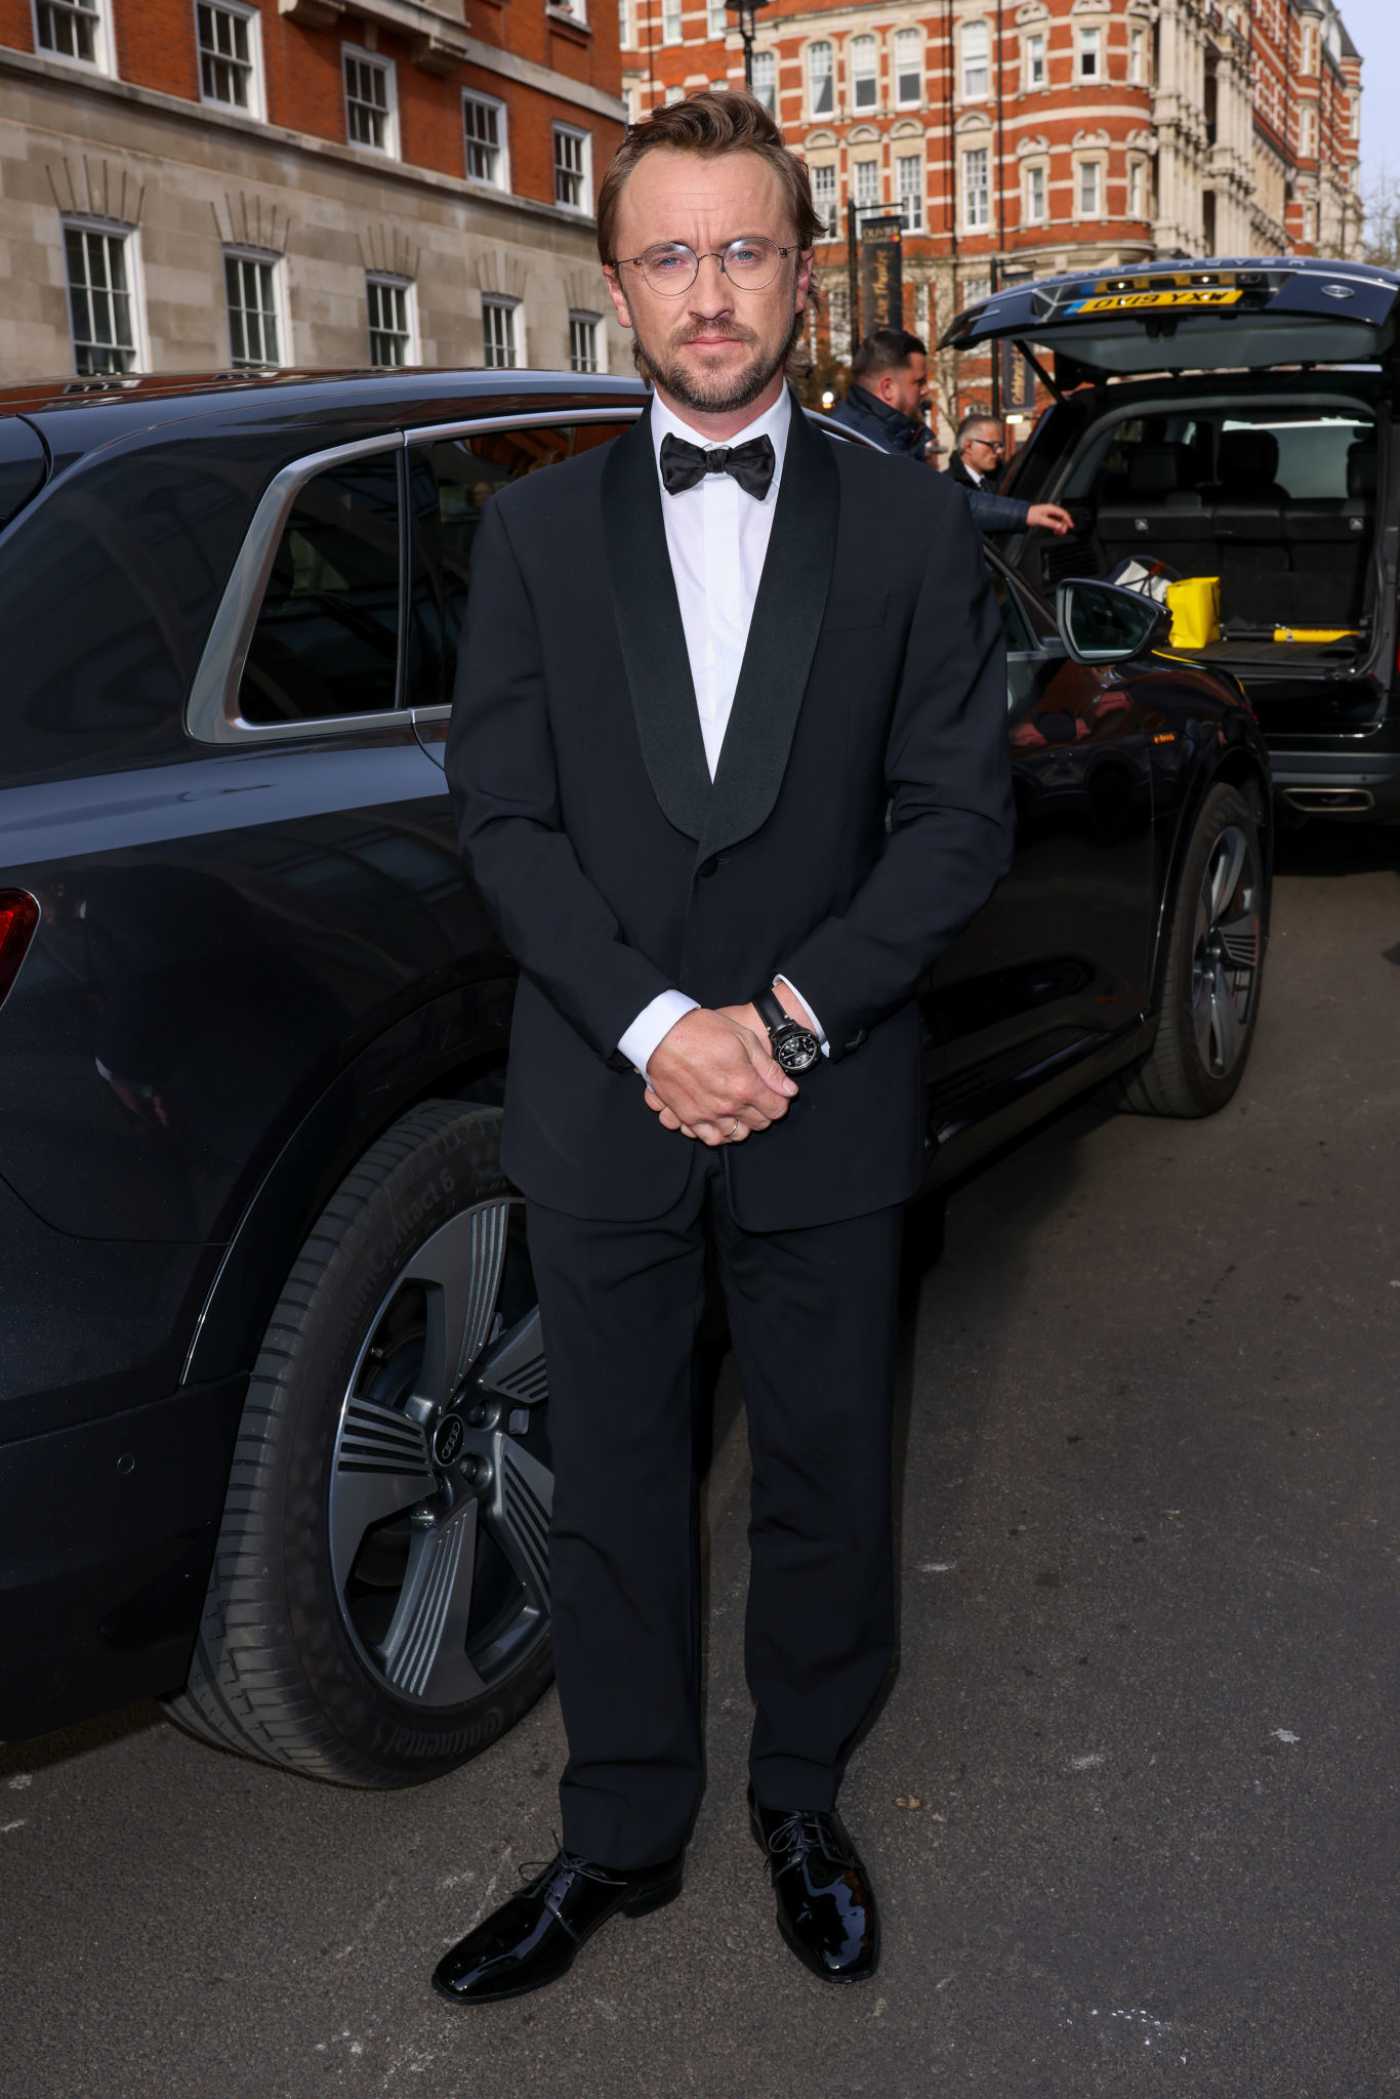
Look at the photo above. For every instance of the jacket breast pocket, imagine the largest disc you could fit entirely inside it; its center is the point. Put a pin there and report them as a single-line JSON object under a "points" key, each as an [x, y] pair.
{"points": [[846, 611]]}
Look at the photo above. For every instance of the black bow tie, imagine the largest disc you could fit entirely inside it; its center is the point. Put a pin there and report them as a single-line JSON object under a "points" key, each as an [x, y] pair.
{"points": [[684, 466]]}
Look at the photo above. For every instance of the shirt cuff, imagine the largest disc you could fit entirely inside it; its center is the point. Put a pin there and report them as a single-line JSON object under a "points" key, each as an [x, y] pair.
{"points": [[639, 1043], [818, 1029]]}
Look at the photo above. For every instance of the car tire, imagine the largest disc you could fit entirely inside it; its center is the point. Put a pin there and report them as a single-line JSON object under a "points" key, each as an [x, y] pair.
{"points": [[1213, 974], [378, 1611]]}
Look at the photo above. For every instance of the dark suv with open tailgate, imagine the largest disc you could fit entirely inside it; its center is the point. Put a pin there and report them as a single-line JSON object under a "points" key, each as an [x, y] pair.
{"points": [[274, 1404]]}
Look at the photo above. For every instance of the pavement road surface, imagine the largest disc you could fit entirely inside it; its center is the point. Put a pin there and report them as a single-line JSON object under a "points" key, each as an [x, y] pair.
{"points": [[1132, 1802]]}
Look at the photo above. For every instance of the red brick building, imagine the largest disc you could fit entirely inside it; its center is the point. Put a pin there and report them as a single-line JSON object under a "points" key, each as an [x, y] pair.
{"points": [[1034, 136], [193, 183]]}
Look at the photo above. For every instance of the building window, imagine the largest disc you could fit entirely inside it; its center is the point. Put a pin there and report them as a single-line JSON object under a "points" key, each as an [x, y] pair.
{"points": [[76, 29], [975, 290], [102, 266], [1035, 74], [976, 62], [1090, 189], [1138, 48], [255, 331], [1138, 190], [632, 101], [717, 20], [908, 67], [573, 168], [909, 183], [1090, 54], [1035, 193], [865, 174], [626, 34], [977, 188], [371, 111], [824, 198], [484, 126], [821, 92], [392, 335], [585, 342], [670, 21], [229, 71], [765, 79], [865, 80], [1307, 131], [500, 335]]}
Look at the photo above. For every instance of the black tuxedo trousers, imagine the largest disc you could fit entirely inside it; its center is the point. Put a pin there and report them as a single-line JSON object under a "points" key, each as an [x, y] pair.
{"points": [[860, 814], [812, 1316]]}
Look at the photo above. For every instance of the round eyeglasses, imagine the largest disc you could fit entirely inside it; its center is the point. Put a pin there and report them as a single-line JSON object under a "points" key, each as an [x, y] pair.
{"points": [[671, 267]]}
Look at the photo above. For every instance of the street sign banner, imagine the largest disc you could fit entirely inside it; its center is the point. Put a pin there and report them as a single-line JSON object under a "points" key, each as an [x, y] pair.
{"points": [[881, 273]]}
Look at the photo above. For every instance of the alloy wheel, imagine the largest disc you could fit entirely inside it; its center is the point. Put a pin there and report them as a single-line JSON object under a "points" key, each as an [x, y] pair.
{"points": [[1227, 950], [441, 1485]]}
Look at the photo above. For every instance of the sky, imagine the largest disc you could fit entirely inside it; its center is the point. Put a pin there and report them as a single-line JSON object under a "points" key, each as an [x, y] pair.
{"points": [[1375, 31]]}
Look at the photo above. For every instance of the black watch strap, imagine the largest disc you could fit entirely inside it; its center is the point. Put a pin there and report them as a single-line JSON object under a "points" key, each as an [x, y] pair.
{"points": [[770, 1011]]}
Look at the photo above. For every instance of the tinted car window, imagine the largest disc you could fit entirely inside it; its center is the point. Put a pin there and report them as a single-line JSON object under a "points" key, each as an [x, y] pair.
{"points": [[327, 638], [1313, 451], [451, 483]]}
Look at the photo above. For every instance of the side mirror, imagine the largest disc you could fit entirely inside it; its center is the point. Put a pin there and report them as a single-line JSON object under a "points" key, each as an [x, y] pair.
{"points": [[1103, 623]]}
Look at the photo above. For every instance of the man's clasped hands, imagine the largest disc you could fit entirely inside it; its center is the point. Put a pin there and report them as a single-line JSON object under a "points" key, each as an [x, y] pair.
{"points": [[713, 1076]]}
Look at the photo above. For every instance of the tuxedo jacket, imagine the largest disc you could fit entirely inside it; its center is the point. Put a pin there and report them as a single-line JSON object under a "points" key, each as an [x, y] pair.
{"points": [[859, 816]]}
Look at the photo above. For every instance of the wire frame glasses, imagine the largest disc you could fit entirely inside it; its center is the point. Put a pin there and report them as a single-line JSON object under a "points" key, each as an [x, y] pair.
{"points": [[670, 267]]}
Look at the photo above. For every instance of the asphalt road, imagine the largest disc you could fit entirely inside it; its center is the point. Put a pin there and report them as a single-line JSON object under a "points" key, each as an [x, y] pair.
{"points": [[1132, 1802]]}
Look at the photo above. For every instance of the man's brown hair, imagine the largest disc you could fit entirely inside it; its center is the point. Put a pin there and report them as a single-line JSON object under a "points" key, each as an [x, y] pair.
{"points": [[720, 120]]}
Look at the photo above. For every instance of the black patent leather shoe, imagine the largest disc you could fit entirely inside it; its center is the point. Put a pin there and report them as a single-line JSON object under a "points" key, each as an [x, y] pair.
{"points": [[533, 1939], [826, 1905]]}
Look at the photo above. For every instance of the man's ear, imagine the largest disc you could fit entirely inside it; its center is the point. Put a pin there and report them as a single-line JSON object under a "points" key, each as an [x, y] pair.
{"points": [[617, 295], [802, 284]]}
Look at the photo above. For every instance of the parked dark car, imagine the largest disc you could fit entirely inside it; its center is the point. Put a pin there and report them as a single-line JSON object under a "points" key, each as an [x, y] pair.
{"points": [[1235, 419], [274, 1436]]}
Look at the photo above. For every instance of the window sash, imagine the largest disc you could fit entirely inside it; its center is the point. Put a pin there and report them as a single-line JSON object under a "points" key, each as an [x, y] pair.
{"points": [[765, 79], [100, 301], [368, 105], [1137, 189], [71, 29], [864, 59], [226, 63], [1035, 195], [250, 286], [390, 323], [977, 187], [717, 20], [583, 342], [908, 67], [570, 169], [1090, 189], [481, 125], [1035, 61], [824, 197], [670, 21], [909, 184], [976, 62], [821, 86], [866, 176], [500, 352], [1090, 54]]}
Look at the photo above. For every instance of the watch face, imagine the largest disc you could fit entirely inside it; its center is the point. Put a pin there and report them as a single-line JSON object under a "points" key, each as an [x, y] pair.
{"points": [[796, 1049]]}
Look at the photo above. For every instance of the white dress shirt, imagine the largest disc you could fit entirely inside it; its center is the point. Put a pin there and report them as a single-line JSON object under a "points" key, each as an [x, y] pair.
{"points": [[717, 537]]}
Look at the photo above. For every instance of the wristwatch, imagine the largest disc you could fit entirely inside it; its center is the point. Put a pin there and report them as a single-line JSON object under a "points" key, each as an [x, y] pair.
{"points": [[796, 1048]]}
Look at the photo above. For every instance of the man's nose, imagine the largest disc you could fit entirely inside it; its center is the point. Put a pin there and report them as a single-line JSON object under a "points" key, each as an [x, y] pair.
{"points": [[712, 291]]}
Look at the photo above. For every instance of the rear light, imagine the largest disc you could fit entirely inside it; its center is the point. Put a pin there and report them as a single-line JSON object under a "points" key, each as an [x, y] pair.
{"points": [[19, 915]]}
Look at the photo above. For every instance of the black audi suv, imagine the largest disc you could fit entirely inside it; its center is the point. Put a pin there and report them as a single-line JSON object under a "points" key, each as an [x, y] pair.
{"points": [[1233, 423], [274, 1399]]}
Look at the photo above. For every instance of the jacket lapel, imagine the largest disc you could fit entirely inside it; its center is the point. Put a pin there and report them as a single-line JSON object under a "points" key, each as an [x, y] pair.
{"points": [[649, 629], [787, 616]]}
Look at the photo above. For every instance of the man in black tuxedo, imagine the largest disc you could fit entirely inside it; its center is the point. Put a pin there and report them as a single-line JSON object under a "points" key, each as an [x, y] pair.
{"points": [[729, 757]]}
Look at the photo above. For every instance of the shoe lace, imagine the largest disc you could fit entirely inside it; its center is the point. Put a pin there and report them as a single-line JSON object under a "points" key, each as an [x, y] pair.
{"points": [[567, 1862], [801, 1833]]}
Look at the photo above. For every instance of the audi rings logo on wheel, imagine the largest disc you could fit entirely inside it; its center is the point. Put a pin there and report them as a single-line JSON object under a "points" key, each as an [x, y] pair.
{"points": [[448, 1438]]}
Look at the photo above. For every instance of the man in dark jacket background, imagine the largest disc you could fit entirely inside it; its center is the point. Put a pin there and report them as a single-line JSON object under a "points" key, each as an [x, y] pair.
{"points": [[889, 378]]}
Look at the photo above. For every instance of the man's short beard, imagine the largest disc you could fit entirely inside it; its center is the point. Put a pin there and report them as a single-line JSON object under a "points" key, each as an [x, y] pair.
{"points": [[722, 395]]}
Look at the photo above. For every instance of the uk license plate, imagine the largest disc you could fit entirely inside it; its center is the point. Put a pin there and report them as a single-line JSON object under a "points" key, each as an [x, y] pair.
{"points": [[1192, 300]]}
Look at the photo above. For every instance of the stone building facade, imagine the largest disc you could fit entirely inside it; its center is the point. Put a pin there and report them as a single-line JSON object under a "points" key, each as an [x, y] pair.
{"points": [[187, 185], [1034, 136]]}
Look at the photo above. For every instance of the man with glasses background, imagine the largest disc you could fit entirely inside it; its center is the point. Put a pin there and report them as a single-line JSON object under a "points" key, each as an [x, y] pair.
{"points": [[729, 759], [979, 454]]}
